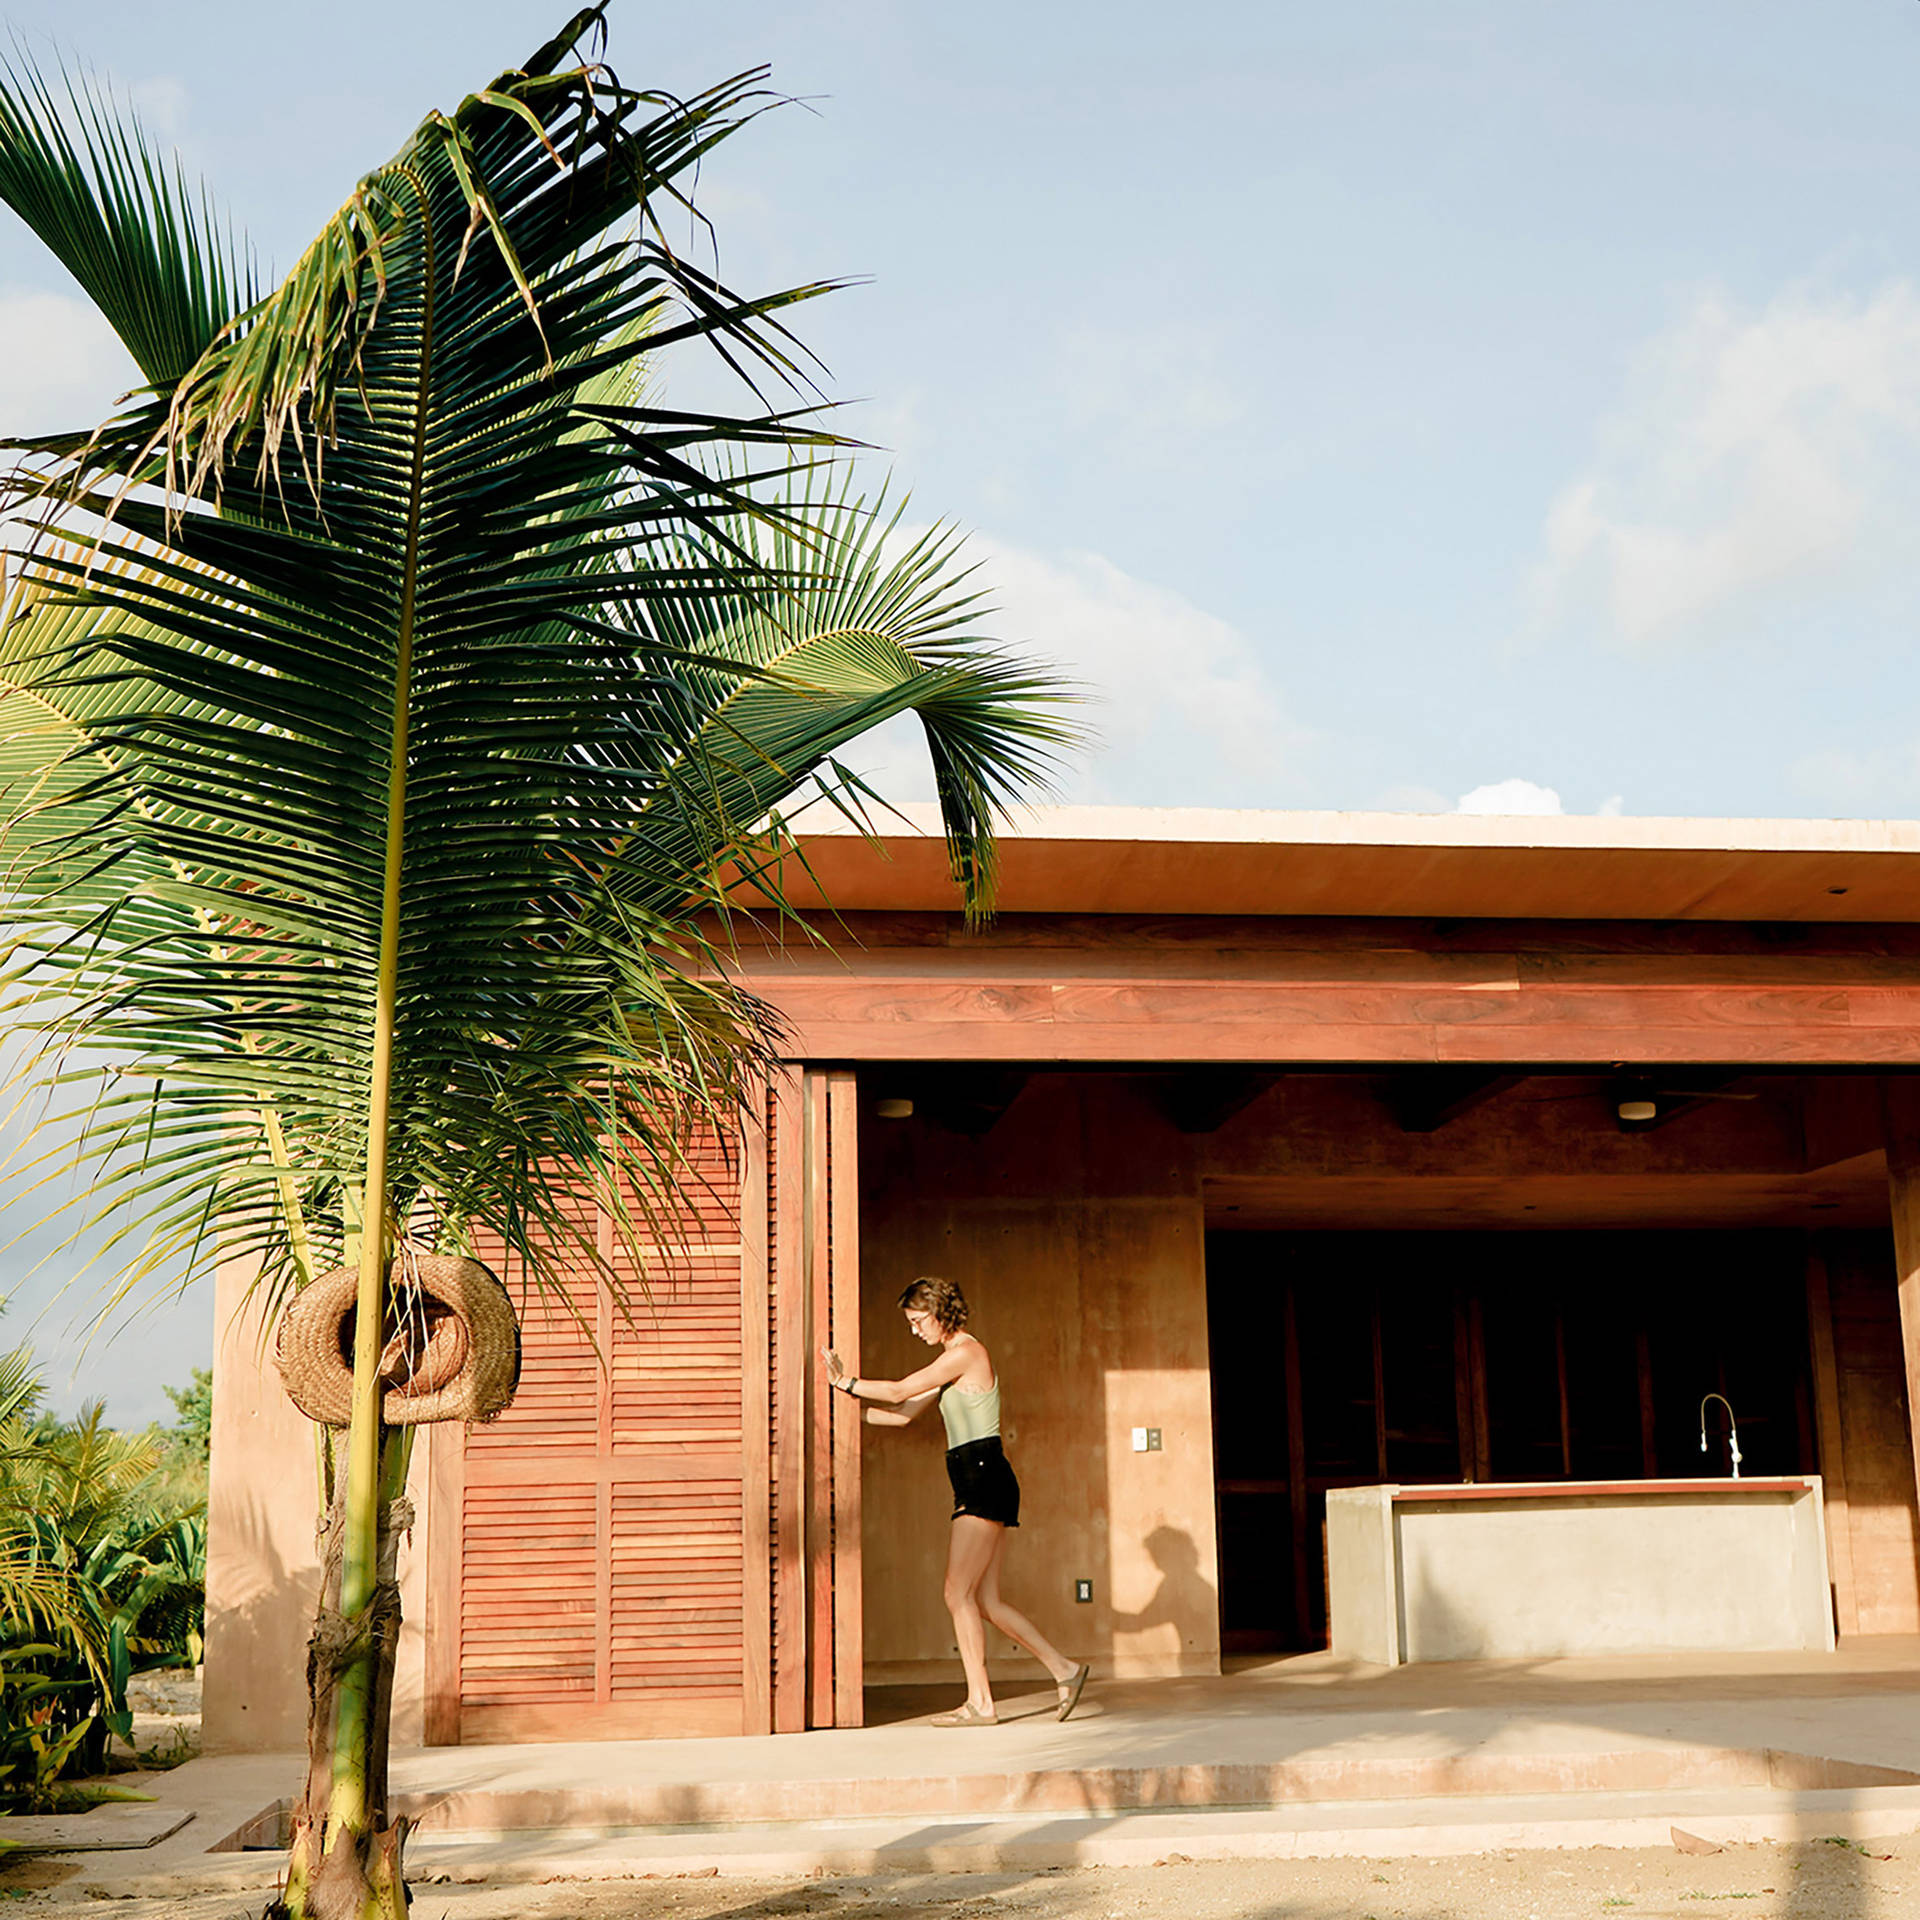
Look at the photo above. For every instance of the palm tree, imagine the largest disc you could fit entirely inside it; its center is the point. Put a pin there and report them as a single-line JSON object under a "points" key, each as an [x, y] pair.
{"points": [[395, 699]]}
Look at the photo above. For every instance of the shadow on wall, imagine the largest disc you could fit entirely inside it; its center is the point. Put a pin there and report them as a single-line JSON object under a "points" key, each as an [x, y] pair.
{"points": [[1183, 1595], [259, 1617], [1433, 1629]]}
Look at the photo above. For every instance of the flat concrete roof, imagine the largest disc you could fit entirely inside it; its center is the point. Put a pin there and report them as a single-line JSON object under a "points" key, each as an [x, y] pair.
{"points": [[1197, 860]]}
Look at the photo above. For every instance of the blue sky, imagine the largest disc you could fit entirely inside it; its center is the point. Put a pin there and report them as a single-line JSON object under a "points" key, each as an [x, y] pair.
{"points": [[1379, 403]]}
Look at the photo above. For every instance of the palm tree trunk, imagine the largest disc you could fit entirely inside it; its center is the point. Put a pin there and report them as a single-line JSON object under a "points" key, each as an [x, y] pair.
{"points": [[363, 1877], [351, 1867]]}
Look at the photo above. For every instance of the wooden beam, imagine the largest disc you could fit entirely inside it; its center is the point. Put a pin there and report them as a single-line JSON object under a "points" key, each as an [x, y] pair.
{"points": [[1477, 1352], [1379, 1386], [1204, 1102], [1426, 1102], [1472, 1467], [1832, 1445], [789, 1378], [820, 1409], [603, 1491], [1299, 992], [1297, 1471], [1649, 1429], [756, 1414], [1566, 1404], [843, 1201], [967, 1100], [1900, 1110]]}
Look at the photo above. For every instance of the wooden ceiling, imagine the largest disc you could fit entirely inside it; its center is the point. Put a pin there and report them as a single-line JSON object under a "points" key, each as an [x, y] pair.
{"points": [[1852, 1194]]}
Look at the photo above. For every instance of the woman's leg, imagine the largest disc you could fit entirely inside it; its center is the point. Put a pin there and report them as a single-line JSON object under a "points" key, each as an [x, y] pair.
{"points": [[1015, 1624], [971, 1546]]}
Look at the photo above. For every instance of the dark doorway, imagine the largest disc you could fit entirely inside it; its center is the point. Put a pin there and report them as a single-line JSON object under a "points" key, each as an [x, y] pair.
{"points": [[1345, 1359]]}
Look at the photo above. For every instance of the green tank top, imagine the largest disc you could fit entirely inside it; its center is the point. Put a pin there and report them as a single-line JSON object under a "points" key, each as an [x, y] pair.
{"points": [[970, 1415]]}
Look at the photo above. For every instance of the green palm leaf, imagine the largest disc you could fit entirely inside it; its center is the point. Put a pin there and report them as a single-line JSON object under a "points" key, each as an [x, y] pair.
{"points": [[151, 254]]}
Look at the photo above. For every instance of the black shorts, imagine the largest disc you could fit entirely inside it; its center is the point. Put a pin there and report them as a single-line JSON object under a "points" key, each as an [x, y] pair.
{"points": [[983, 1482]]}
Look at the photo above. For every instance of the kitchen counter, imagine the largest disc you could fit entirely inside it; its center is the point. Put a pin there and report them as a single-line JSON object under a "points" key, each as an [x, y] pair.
{"points": [[1554, 1569]]}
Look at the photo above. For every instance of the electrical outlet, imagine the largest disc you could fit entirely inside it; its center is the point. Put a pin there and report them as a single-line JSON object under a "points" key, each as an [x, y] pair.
{"points": [[1153, 1439], [1083, 1590]]}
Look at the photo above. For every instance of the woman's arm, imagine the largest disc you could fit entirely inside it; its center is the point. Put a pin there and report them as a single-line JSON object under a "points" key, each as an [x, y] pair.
{"points": [[900, 1416], [946, 1367]]}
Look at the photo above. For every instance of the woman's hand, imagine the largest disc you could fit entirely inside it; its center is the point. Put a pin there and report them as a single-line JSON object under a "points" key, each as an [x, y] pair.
{"points": [[835, 1371]]}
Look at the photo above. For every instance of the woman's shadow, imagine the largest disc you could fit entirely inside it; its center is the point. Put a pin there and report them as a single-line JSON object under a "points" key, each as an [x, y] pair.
{"points": [[1185, 1596], [1183, 1600]]}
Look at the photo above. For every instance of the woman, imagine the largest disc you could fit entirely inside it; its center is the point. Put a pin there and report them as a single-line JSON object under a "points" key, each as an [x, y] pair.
{"points": [[986, 1496]]}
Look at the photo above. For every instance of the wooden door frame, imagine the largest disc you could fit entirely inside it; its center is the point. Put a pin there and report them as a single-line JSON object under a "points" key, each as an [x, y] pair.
{"points": [[813, 1238]]}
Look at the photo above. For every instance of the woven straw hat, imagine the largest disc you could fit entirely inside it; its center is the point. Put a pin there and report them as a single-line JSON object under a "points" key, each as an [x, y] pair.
{"points": [[455, 1354]]}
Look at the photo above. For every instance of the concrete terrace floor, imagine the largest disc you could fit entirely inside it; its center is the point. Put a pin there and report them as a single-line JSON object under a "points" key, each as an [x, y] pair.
{"points": [[1308, 1756]]}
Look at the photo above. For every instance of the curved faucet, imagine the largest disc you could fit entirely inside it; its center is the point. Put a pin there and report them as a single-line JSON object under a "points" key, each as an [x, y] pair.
{"points": [[1733, 1432]]}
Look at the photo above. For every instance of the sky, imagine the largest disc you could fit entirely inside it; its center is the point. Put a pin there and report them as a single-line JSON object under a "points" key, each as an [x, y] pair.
{"points": [[1385, 406]]}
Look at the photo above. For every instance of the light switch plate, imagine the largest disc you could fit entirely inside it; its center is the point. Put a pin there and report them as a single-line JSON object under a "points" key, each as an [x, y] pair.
{"points": [[1139, 1439]]}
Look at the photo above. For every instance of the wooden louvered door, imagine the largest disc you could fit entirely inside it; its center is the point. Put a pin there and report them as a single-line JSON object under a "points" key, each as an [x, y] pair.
{"points": [[589, 1547], [670, 1545]]}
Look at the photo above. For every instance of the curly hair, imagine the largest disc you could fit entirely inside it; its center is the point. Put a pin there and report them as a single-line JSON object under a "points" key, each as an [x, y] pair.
{"points": [[941, 1298]]}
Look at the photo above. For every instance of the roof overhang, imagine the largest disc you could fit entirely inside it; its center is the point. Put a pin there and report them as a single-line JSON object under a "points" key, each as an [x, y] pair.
{"points": [[1139, 860]]}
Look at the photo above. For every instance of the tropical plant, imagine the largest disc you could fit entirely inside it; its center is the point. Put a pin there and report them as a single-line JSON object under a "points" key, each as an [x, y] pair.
{"points": [[101, 1509], [36, 1739], [398, 703], [39, 1600], [190, 1437], [102, 1572]]}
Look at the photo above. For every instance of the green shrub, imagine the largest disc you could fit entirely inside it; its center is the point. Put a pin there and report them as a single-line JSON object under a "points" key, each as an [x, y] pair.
{"points": [[102, 1575]]}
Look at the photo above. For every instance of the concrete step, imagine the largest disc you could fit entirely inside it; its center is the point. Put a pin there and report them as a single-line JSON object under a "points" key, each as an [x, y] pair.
{"points": [[578, 1807], [1448, 1825], [110, 1828]]}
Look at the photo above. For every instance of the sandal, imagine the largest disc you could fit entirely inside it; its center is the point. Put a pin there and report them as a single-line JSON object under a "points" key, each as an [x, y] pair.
{"points": [[1069, 1690], [967, 1716]]}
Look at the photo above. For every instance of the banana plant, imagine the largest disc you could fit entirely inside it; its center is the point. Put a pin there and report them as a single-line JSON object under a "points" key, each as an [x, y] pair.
{"points": [[396, 698]]}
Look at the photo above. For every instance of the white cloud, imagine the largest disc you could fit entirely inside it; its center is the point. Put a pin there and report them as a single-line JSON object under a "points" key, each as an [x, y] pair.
{"points": [[1510, 796], [1752, 454], [1184, 710], [61, 365]]}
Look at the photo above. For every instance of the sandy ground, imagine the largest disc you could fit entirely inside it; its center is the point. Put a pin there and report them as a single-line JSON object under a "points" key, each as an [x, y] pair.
{"points": [[1821, 1881]]}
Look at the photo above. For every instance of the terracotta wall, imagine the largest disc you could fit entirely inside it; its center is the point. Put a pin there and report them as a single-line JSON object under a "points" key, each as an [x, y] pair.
{"points": [[1075, 1227], [262, 1570]]}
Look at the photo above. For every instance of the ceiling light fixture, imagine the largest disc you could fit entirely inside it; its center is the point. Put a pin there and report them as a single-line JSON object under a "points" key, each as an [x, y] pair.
{"points": [[894, 1109], [1638, 1110]]}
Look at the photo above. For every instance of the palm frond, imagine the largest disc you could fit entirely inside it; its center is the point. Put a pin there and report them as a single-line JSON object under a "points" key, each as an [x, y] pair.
{"points": [[152, 254], [843, 626]]}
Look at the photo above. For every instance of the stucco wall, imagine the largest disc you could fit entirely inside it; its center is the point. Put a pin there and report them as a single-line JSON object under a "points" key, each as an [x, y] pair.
{"points": [[262, 1569], [1075, 1228]]}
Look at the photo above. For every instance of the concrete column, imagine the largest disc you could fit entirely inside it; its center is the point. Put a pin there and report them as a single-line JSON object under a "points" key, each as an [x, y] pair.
{"points": [[1900, 1108]]}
